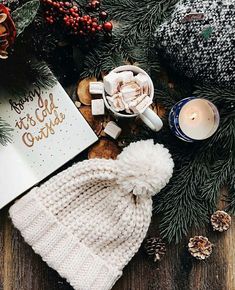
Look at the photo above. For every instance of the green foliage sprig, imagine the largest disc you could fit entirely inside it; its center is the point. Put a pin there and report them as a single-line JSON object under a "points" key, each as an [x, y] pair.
{"points": [[201, 168], [24, 15], [135, 23], [5, 132]]}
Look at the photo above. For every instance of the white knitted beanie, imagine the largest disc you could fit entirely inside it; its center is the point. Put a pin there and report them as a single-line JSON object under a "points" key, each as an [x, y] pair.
{"points": [[88, 221]]}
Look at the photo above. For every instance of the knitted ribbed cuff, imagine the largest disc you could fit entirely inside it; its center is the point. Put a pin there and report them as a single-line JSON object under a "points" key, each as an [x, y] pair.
{"points": [[60, 249]]}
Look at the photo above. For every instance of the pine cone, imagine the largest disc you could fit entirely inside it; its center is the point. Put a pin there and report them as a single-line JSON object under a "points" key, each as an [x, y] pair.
{"points": [[155, 248], [200, 247], [221, 221]]}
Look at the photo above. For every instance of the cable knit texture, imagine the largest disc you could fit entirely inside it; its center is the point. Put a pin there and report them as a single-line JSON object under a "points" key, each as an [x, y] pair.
{"points": [[88, 221]]}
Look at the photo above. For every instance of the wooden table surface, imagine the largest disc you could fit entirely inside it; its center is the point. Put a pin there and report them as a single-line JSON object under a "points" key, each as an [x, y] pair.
{"points": [[22, 269]]}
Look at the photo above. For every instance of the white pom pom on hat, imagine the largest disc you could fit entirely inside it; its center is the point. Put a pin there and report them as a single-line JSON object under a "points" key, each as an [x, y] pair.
{"points": [[85, 223], [145, 168]]}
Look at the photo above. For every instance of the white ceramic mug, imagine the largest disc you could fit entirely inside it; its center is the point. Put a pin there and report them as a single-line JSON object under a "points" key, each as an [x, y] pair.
{"points": [[149, 117]]}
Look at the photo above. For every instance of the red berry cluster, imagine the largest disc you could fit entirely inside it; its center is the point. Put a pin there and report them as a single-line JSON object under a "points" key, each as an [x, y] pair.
{"points": [[78, 20]]}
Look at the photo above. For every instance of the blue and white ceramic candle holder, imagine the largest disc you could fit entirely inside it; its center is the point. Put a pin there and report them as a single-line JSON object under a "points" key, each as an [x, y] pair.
{"points": [[193, 119]]}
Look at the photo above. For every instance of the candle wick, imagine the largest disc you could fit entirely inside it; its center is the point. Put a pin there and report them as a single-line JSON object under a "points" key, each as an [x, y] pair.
{"points": [[193, 116]]}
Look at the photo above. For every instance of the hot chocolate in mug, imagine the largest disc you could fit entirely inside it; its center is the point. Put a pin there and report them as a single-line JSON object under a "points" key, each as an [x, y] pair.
{"points": [[148, 116]]}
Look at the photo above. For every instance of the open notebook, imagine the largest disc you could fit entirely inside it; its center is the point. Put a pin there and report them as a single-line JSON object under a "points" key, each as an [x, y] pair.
{"points": [[48, 131]]}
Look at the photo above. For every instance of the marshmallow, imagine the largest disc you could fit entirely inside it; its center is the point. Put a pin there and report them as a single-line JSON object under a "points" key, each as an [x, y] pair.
{"points": [[130, 91], [96, 88], [77, 104], [116, 102], [143, 81], [142, 106], [111, 83], [126, 76], [112, 130], [137, 100], [97, 107]]}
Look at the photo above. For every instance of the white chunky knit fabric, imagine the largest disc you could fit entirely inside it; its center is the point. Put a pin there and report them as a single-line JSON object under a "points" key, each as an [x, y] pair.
{"points": [[88, 221]]}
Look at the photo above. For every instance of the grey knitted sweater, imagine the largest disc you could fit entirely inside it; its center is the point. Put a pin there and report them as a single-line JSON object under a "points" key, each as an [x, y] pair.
{"points": [[199, 40]]}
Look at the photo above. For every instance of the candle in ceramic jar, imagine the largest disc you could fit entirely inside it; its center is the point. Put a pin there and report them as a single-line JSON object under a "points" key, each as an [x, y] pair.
{"points": [[194, 119]]}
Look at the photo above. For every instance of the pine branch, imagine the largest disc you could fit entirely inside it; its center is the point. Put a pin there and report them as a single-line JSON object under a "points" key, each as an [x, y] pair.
{"points": [[5, 132], [133, 36], [223, 98], [20, 72], [143, 13], [223, 167], [202, 168], [138, 20], [180, 203], [167, 96], [231, 194], [102, 59], [43, 75], [40, 39]]}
